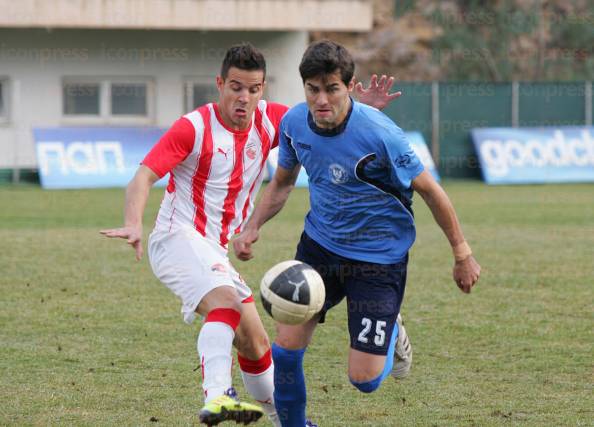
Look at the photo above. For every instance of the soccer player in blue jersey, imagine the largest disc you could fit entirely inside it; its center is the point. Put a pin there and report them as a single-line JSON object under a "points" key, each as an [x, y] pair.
{"points": [[360, 227]]}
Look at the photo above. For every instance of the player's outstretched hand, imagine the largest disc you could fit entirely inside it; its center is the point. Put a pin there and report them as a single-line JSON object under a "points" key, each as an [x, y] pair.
{"points": [[133, 235], [466, 273], [242, 244], [377, 93]]}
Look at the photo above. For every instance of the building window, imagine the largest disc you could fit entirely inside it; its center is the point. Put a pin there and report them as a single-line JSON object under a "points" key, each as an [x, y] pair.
{"points": [[3, 100], [200, 91], [128, 99], [81, 99], [107, 100]]}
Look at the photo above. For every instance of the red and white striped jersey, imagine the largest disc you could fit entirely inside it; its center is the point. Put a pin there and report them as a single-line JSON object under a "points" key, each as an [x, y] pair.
{"points": [[215, 171]]}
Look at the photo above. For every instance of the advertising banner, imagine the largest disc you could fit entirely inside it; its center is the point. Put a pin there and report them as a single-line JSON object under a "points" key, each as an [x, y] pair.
{"points": [[420, 147], [535, 155], [71, 157], [99, 157]]}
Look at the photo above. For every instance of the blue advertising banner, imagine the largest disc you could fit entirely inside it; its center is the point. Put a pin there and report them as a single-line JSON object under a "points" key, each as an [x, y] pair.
{"points": [[535, 155], [420, 146], [98, 157], [76, 157]]}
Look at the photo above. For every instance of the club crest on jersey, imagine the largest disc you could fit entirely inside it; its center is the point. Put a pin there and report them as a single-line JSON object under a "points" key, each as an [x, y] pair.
{"points": [[251, 153], [338, 174], [218, 268]]}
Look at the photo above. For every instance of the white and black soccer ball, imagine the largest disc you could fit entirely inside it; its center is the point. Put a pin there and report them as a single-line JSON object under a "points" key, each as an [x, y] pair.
{"points": [[292, 292]]}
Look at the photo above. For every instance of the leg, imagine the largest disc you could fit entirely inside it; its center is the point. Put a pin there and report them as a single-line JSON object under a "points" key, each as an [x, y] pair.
{"points": [[255, 359], [219, 297], [289, 381], [198, 272], [251, 339], [368, 370], [372, 369], [222, 310], [364, 367], [290, 394], [374, 296], [183, 260], [222, 307]]}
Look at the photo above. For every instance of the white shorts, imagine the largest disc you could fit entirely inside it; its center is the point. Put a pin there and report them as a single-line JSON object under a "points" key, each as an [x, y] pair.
{"points": [[191, 266]]}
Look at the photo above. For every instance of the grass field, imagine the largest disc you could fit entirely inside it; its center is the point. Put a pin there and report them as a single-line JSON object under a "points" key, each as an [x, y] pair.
{"points": [[90, 337]]}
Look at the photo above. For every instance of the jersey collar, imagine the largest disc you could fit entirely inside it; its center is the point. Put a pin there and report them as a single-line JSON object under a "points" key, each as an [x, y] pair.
{"points": [[329, 132]]}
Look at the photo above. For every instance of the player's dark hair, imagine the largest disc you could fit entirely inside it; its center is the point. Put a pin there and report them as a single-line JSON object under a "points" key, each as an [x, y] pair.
{"points": [[243, 56], [325, 57]]}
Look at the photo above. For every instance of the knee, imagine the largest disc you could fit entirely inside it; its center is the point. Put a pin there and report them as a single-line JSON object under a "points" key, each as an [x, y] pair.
{"points": [[365, 380], [291, 338], [222, 297], [364, 373], [289, 343]]}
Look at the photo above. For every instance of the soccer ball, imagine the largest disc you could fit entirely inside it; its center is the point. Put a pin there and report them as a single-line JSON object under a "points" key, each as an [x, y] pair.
{"points": [[292, 292]]}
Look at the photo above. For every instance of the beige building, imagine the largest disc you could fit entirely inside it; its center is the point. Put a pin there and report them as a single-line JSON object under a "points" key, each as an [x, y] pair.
{"points": [[142, 62]]}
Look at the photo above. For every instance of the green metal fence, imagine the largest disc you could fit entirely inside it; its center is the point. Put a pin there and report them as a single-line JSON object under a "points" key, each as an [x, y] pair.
{"points": [[446, 112], [412, 111], [462, 107], [552, 104]]}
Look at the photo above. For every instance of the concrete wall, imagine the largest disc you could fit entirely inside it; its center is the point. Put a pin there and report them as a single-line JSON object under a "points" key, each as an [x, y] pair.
{"points": [[283, 15], [35, 61]]}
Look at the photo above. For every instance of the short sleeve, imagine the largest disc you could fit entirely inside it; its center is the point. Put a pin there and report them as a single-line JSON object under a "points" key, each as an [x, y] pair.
{"points": [[173, 147], [405, 164], [287, 156], [275, 113]]}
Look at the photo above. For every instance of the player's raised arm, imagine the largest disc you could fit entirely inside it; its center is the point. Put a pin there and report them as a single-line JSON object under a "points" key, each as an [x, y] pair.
{"points": [[137, 194], [466, 269], [274, 198]]}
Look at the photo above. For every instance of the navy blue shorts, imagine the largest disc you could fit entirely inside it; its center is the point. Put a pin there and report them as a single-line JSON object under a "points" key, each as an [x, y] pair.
{"points": [[374, 293]]}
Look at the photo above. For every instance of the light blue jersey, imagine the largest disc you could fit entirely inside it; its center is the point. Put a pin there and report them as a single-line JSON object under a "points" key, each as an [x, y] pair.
{"points": [[359, 182]]}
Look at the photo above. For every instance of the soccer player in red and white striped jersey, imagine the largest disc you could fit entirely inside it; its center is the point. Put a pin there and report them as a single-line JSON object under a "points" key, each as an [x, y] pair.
{"points": [[216, 169], [215, 156]]}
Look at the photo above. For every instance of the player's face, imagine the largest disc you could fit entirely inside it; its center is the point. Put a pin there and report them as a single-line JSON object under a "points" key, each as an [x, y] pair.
{"points": [[239, 94], [328, 99]]}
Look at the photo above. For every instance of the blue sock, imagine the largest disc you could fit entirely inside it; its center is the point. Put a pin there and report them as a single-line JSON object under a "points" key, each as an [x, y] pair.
{"points": [[372, 385], [289, 386]]}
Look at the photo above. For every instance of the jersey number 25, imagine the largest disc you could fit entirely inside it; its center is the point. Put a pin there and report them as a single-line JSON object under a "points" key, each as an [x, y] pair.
{"points": [[380, 334]]}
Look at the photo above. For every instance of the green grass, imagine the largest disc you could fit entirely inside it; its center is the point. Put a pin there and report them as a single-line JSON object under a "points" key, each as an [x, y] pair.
{"points": [[90, 337]]}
